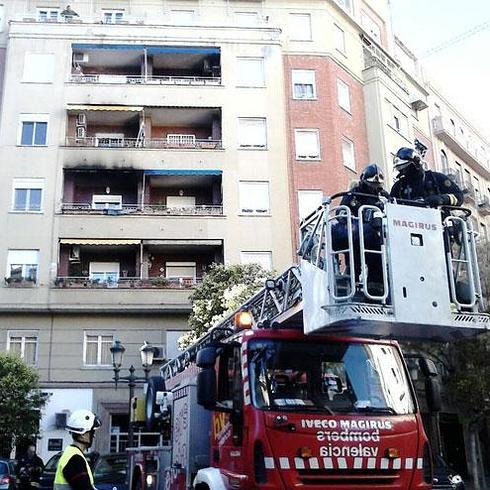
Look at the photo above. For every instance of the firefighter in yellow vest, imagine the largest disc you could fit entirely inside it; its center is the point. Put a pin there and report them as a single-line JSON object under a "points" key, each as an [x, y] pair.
{"points": [[73, 471]]}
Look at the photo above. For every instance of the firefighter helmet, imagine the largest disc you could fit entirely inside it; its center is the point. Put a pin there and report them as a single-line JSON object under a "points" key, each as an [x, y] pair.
{"points": [[372, 176], [82, 421], [405, 158]]}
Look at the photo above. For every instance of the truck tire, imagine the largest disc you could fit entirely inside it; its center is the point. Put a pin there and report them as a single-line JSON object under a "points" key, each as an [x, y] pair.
{"points": [[155, 383]]}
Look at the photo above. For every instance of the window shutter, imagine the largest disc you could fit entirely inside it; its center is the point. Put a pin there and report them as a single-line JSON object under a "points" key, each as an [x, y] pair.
{"points": [[307, 145]]}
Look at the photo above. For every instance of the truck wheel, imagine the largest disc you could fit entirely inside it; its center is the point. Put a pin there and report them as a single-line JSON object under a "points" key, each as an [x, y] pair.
{"points": [[155, 383]]}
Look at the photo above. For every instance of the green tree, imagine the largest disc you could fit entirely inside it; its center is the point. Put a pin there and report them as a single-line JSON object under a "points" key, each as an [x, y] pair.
{"points": [[223, 289], [20, 402]]}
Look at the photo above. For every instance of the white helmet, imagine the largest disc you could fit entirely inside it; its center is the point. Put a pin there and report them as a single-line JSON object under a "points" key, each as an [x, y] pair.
{"points": [[82, 421]]}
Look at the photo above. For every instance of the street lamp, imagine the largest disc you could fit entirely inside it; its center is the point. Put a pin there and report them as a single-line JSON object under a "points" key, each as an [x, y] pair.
{"points": [[117, 351]]}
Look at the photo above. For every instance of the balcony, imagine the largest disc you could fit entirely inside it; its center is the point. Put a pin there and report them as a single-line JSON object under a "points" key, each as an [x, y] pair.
{"points": [[143, 128], [132, 264], [447, 133], [484, 206], [149, 65], [144, 193], [376, 57]]}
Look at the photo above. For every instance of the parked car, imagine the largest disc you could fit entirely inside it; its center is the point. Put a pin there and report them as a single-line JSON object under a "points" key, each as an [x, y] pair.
{"points": [[109, 471], [7, 474], [445, 478], [47, 477]]}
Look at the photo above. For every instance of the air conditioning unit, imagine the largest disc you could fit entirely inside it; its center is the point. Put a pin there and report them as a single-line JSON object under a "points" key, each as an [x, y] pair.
{"points": [[60, 420], [81, 119], [80, 57], [74, 253], [160, 353]]}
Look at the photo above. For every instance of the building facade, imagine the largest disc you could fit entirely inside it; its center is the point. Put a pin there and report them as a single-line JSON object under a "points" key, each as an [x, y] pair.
{"points": [[143, 141]]}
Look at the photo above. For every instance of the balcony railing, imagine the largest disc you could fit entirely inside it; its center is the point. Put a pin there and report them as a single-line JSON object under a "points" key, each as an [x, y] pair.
{"points": [[144, 143], [142, 80], [144, 209], [85, 282], [376, 57]]}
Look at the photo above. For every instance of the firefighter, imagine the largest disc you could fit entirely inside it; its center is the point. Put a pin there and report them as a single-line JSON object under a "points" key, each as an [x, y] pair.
{"points": [[416, 184], [367, 191], [73, 471], [29, 469]]}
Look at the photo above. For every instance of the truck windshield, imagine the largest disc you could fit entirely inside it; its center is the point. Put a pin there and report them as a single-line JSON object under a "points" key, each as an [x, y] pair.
{"points": [[335, 377]]}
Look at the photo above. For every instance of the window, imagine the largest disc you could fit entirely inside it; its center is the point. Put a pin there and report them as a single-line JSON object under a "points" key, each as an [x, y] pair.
{"points": [[304, 86], [24, 344], [300, 27], [250, 72], [247, 18], [27, 195], [444, 161], [106, 201], [252, 132], [262, 258], [181, 201], [112, 16], [48, 14], [254, 197], [180, 270], [38, 68], [345, 4], [22, 265], [307, 142], [371, 27], [343, 95], [397, 120], [104, 271], [339, 38], [183, 17], [96, 349], [348, 153], [476, 186], [308, 201], [33, 130]]}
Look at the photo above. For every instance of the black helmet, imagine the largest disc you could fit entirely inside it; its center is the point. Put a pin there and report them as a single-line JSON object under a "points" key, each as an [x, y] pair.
{"points": [[405, 158], [372, 176]]}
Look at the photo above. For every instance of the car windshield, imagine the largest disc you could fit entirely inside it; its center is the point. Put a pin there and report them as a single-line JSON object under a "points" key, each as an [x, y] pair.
{"points": [[3, 468], [52, 463], [331, 377], [110, 465]]}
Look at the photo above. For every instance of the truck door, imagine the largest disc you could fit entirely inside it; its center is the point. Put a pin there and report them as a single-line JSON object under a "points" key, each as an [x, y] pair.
{"points": [[228, 416]]}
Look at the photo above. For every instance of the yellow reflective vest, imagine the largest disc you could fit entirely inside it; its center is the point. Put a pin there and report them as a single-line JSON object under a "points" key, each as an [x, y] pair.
{"points": [[60, 482]]}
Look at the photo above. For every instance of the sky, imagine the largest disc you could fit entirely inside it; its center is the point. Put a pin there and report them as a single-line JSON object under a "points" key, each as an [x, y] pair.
{"points": [[461, 71]]}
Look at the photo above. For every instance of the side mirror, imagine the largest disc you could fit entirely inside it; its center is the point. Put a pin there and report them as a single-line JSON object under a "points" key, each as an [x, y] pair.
{"points": [[433, 394], [428, 367], [206, 387], [206, 357]]}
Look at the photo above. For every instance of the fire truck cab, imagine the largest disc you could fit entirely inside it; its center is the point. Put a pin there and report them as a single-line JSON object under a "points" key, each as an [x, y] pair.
{"points": [[304, 385]]}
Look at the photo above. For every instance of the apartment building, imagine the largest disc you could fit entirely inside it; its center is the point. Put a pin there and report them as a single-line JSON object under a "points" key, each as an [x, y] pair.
{"points": [[140, 146], [464, 154]]}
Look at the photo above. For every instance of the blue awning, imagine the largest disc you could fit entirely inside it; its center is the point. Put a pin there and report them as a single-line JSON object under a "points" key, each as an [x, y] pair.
{"points": [[181, 50], [150, 49], [184, 172]]}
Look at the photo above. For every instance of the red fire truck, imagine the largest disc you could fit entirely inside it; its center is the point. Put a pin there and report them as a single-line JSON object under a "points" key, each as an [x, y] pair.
{"points": [[305, 386]]}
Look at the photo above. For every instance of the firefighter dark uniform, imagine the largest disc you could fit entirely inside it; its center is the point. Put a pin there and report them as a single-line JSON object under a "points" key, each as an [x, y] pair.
{"points": [[414, 183], [371, 187]]}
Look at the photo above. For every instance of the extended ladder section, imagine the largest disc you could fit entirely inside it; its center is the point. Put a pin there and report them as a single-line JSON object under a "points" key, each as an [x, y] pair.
{"points": [[278, 301], [406, 272]]}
